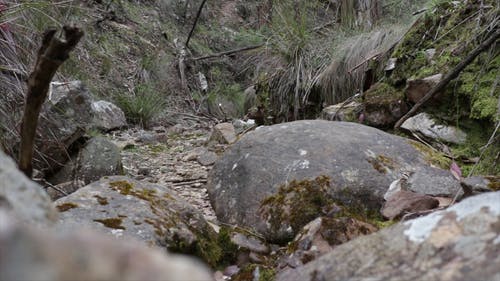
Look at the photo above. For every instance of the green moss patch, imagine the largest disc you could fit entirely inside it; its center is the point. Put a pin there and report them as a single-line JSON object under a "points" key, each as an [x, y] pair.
{"points": [[432, 156], [296, 204], [382, 94], [382, 164], [255, 272], [124, 187]]}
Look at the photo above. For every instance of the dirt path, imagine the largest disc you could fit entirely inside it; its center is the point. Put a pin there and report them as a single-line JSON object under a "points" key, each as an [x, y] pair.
{"points": [[171, 158]]}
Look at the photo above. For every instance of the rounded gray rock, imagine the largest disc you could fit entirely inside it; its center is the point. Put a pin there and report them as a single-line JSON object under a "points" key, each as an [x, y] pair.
{"points": [[360, 161]]}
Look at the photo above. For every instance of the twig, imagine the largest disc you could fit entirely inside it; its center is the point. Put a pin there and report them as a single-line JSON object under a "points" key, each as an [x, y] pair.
{"points": [[318, 28], [194, 23], [457, 25], [364, 61], [413, 215], [51, 55], [228, 52], [347, 101], [188, 182], [419, 11], [243, 229], [56, 188], [450, 76]]}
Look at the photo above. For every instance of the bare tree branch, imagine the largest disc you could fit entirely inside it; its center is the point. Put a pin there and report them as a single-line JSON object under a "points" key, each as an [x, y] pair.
{"points": [[52, 53], [228, 52], [194, 23]]}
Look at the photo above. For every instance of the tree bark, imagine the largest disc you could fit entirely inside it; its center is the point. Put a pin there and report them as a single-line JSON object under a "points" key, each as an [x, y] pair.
{"points": [[51, 55], [450, 76]]}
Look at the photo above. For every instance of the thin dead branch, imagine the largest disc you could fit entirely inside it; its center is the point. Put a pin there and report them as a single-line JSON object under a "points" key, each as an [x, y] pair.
{"points": [[194, 23], [230, 52], [52, 53]]}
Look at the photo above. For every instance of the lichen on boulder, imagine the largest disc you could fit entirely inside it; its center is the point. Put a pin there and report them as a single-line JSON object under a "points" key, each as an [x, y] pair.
{"points": [[124, 207]]}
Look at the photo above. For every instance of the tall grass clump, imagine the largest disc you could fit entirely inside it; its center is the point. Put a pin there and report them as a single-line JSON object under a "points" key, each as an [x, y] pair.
{"points": [[357, 50], [298, 54], [141, 106]]}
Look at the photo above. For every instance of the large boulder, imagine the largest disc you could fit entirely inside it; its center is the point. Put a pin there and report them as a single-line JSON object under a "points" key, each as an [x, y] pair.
{"points": [[22, 197], [100, 157], [123, 207], [66, 116], [460, 243], [107, 116], [33, 254], [360, 161]]}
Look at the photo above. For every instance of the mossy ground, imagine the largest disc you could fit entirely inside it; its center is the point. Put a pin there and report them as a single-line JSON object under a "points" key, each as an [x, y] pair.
{"points": [[453, 30]]}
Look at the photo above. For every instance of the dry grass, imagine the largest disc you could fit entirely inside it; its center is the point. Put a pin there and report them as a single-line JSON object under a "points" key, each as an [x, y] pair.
{"points": [[344, 76]]}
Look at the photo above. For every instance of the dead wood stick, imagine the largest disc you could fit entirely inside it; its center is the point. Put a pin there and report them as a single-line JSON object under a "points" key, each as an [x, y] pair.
{"points": [[450, 76], [194, 23], [363, 62], [228, 52], [52, 53], [189, 182], [182, 71], [325, 25]]}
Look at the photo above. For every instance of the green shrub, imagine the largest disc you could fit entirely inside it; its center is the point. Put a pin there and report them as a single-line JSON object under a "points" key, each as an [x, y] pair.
{"points": [[142, 106]]}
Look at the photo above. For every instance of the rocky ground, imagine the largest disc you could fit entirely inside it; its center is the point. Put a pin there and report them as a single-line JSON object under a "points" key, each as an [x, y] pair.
{"points": [[175, 157]]}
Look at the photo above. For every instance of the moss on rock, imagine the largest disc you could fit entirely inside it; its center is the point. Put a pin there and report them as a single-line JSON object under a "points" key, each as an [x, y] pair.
{"points": [[299, 202], [180, 234], [66, 206], [115, 223], [296, 204], [432, 156]]}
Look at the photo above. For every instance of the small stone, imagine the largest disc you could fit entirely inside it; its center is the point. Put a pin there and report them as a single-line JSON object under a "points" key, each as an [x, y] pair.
{"points": [[231, 270], [162, 137], [429, 54], [194, 154], [219, 276], [207, 158], [107, 116], [250, 243], [403, 202], [391, 64], [223, 133], [145, 138], [144, 171]]}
